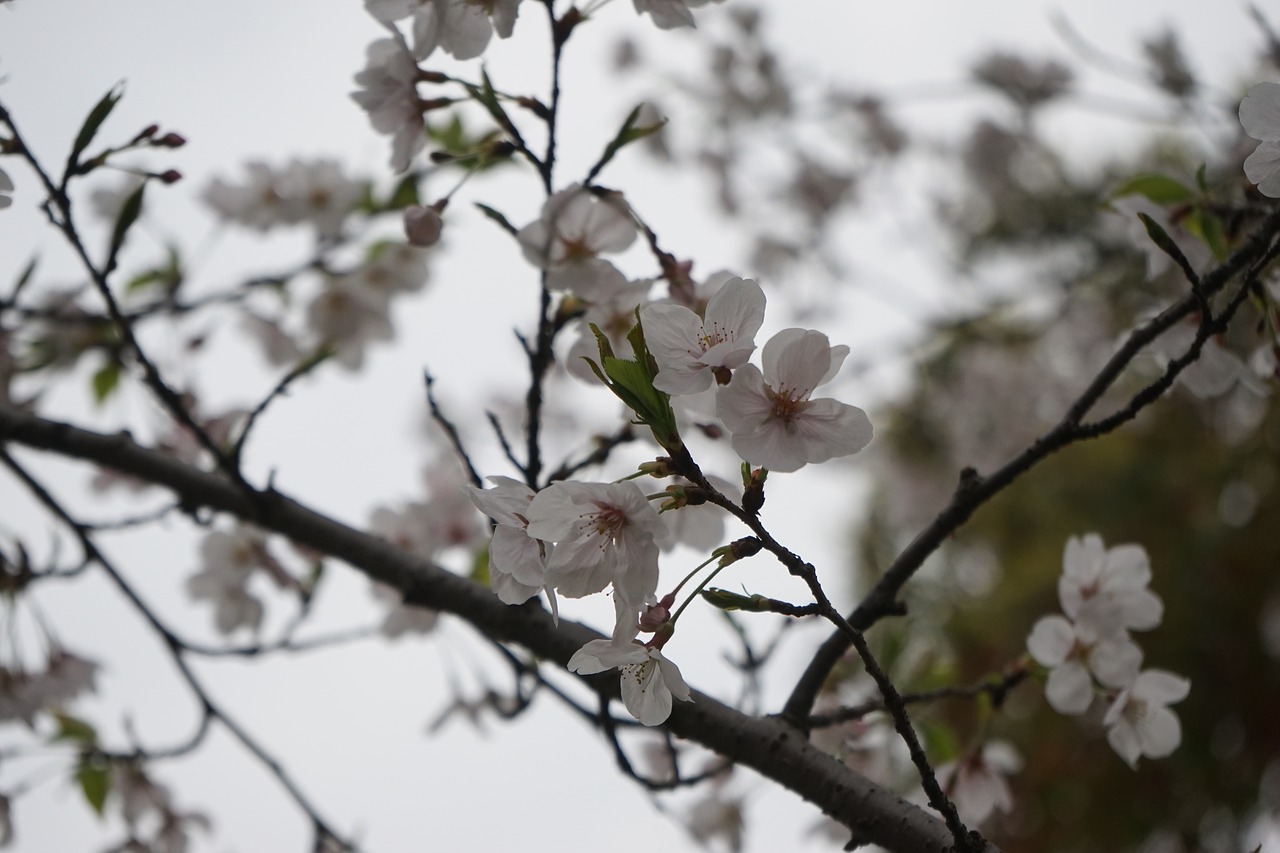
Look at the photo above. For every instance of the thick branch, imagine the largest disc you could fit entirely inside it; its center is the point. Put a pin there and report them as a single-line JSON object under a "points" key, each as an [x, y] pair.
{"points": [[769, 746]]}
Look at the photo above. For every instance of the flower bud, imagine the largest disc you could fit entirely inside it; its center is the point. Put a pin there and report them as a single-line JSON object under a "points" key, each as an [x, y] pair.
{"points": [[656, 615], [171, 140], [422, 225]]}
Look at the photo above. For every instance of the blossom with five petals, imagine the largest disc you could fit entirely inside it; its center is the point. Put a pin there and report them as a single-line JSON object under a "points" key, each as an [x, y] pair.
{"points": [[773, 421], [604, 533], [690, 349], [1106, 590], [1139, 721], [575, 227], [649, 680], [1073, 653], [977, 784]]}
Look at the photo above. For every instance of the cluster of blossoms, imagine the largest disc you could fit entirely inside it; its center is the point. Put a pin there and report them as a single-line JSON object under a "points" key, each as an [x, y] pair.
{"points": [[353, 306], [575, 539], [229, 560], [312, 192], [388, 84], [1089, 651], [23, 692]]}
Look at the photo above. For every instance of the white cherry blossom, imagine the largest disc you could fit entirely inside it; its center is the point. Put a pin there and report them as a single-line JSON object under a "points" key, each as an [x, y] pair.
{"points": [[517, 561], [348, 316], [1260, 116], [575, 228], [977, 784], [314, 192], [1076, 657], [461, 28], [1139, 721], [649, 680], [670, 14], [388, 93], [774, 422], [604, 533], [230, 557], [690, 349], [1105, 591]]}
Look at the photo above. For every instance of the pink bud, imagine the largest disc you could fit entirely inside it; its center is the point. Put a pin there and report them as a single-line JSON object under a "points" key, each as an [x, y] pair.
{"points": [[422, 225], [170, 177], [656, 615], [171, 140]]}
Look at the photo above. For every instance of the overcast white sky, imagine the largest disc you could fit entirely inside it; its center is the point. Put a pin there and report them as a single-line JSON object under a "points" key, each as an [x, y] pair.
{"points": [[245, 79]]}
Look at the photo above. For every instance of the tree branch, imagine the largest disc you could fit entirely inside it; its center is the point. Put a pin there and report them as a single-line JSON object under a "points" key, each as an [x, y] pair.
{"points": [[770, 746]]}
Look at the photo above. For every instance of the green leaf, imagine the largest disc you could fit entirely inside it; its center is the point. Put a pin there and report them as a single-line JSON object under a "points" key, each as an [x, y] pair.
{"points": [[24, 277], [73, 729], [488, 98], [1201, 179], [94, 121], [631, 381], [480, 565], [939, 741], [498, 218], [405, 193], [626, 135], [726, 600], [1162, 239], [105, 381], [168, 277], [1208, 227], [95, 783], [1160, 189], [129, 213]]}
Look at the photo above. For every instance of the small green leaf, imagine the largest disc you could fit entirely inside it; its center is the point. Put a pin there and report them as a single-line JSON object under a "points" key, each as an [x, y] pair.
{"points": [[939, 741], [1201, 178], [498, 218], [726, 600], [94, 121], [488, 98], [1160, 189], [480, 565], [24, 277], [627, 134], [451, 136], [73, 729], [129, 213], [631, 381], [1208, 227], [105, 381], [95, 783], [405, 193], [1162, 239]]}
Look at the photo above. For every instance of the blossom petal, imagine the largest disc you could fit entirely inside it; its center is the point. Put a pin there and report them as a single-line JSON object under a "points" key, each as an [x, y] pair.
{"points": [[1260, 112], [796, 361], [1051, 640], [1263, 168], [1069, 689]]}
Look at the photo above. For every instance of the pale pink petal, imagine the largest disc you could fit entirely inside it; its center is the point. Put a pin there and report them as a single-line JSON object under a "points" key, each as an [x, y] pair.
{"points": [[1260, 112], [1051, 640], [1069, 689]]}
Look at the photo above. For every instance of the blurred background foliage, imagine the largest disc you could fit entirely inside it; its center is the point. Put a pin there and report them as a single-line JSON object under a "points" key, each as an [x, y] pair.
{"points": [[1192, 480]]}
